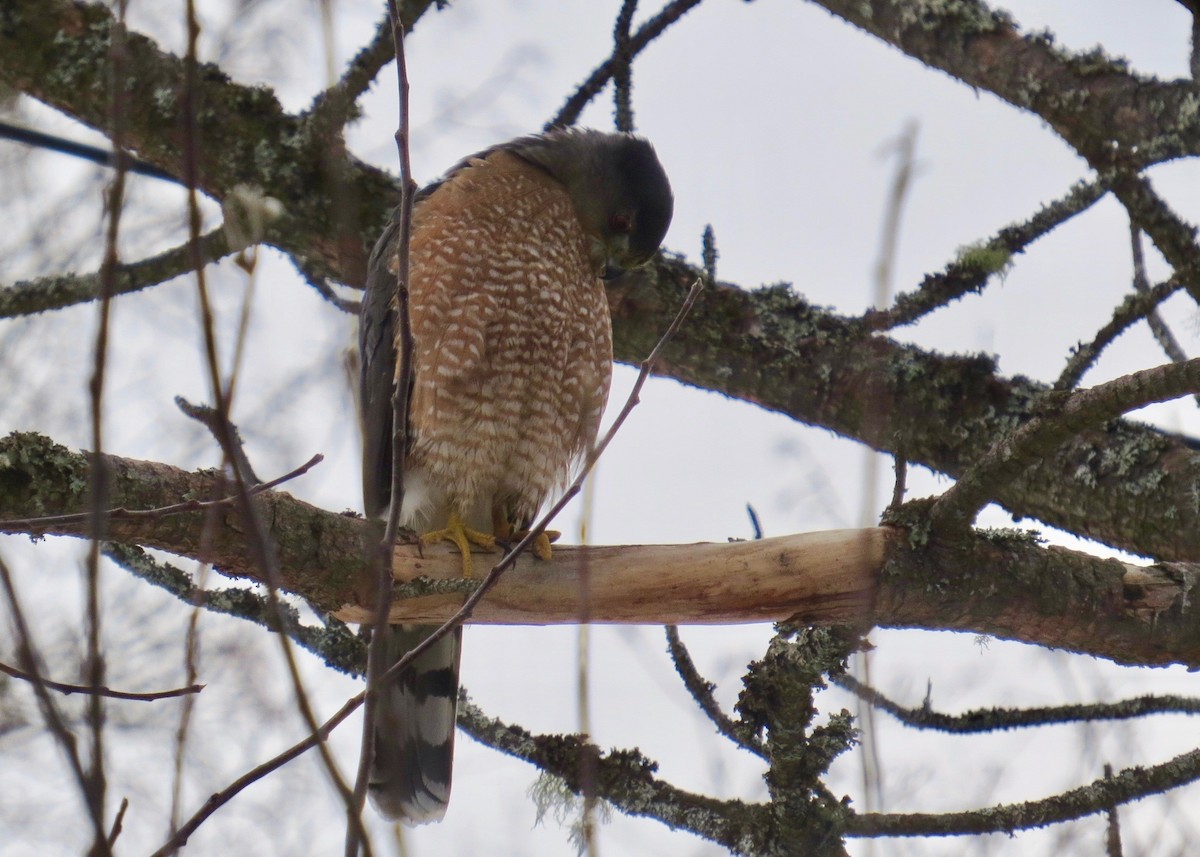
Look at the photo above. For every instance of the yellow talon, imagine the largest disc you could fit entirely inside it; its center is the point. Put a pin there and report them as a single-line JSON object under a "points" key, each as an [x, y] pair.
{"points": [[462, 537], [541, 542]]}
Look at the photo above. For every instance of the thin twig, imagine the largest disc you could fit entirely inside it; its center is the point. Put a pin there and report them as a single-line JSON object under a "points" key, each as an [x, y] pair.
{"points": [[117, 823], [1132, 309], [111, 157], [210, 418], [976, 265], [904, 148], [304, 267], [190, 645], [50, 522], [380, 558], [623, 72], [1141, 283], [68, 689], [596, 81], [708, 253], [899, 486], [98, 474], [755, 523], [1170, 345], [219, 799], [261, 548], [28, 657], [1174, 237], [702, 691]]}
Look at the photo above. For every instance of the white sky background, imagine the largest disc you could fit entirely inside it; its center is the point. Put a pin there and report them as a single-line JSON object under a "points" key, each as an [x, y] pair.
{"points": [[773, 120]]}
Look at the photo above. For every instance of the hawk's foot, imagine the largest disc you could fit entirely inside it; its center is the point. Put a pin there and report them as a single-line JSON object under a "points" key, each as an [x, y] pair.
{"points": [[541, 543], [462, 537]]}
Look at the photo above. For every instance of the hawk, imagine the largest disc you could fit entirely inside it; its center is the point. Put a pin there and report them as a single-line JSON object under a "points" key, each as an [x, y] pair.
{"points": [[508, 257]]}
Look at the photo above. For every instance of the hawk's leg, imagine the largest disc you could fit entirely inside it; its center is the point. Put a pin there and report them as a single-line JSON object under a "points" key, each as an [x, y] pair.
{"points": [[462, 537]]}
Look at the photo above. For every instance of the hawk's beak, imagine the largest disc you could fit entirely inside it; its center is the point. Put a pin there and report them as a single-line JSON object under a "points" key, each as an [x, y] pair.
{"points": [[611, 271]]}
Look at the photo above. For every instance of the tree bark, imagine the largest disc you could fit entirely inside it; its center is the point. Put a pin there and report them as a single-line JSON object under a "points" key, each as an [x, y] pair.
{"points": [[998, 583]]}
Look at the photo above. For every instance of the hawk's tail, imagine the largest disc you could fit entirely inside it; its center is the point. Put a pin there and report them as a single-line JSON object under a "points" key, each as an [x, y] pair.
{"points": [[414, 729]]}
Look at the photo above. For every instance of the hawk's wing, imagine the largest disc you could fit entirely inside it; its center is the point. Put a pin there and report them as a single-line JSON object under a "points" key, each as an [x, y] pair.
{"points": [[377, 369], [414, 720]]}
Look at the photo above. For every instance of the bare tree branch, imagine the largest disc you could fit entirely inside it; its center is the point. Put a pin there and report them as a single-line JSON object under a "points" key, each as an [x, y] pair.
{"points": [[1109, 109], [1098, 796], [998, 719], [54, 720], [598, 79], [27, 297], [977, 264], [333, 108], [626, 779], [702, 691], [68, 689], [1135, 307], [94, 154]]}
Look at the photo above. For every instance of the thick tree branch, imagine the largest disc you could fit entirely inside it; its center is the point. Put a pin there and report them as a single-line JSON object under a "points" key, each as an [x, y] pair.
{"points": [[1094, 102], [1001, 584]]}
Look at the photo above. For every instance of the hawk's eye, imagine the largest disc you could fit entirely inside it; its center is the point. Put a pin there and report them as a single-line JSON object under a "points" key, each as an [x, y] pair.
{"points": [[621, 223]]}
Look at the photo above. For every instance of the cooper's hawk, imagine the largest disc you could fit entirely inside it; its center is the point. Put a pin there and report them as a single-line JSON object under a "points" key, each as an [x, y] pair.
{"points": [[513, 354]]}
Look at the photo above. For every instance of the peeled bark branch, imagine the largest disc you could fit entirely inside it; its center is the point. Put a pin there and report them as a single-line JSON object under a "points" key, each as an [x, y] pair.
{"points": [[825, 577]]}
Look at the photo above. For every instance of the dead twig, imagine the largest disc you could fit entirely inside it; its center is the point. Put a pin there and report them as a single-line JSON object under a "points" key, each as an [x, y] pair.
{"points": [[211, 419], [68, 689], [117, 823], [262, 549], [598, 79], [1134, 308], [27, 655], [381, 558]]}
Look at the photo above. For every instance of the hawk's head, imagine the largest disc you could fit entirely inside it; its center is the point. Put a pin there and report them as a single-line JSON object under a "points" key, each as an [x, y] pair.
{"points": [[619, 188]]}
